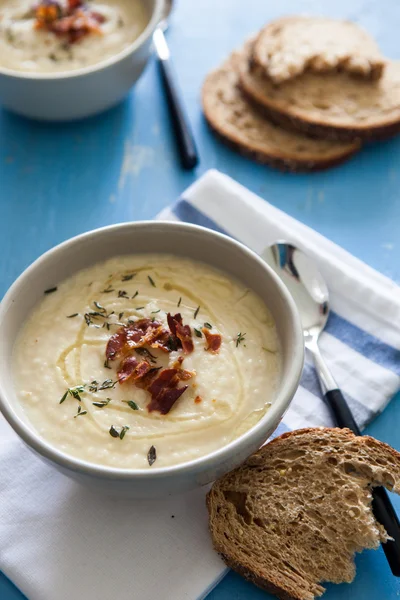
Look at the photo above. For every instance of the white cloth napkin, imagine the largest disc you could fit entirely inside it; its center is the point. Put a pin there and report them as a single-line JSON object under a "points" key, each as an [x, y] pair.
{"points": [[60, 541]]}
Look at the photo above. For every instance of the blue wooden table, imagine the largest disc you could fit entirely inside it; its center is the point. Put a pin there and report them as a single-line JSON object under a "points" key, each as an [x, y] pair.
{"points": [[58, 181]]}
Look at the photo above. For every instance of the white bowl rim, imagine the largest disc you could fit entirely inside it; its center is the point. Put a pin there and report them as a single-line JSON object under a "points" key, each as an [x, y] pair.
{"points": [[275, 412], [99, 66]]}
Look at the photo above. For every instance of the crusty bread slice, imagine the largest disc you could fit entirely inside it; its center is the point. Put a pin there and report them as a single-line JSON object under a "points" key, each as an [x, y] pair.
{"points": [[331, 106], [293, 515], [242, 126], [290, 46]]}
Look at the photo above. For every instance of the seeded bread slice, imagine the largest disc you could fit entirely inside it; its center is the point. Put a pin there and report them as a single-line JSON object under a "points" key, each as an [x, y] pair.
{"points": [[290, 46], [244, 128], [331, 106], [294, 514]]}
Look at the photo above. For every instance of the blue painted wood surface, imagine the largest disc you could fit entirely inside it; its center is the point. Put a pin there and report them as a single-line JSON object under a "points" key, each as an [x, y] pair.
{"points": [[60, 180]]}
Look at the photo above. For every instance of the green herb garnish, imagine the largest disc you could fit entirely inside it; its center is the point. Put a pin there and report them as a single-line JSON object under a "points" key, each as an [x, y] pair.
{"points": [[135, 294], [179, 301], [197, 332], [108, 289], [154, 312], [240, 338], [74, 392], [172, 343], [208, 325], [106, 365], [131, 404], [146, 353], [123, 294], [113, 432], [139, 308], [123, 432], [151, 281], [196, 312], [128, 277], [121, 314], [152, 455], [72, 316], [102, 403], [99, 307], [107, 384], [80, 412], [50, 290]]}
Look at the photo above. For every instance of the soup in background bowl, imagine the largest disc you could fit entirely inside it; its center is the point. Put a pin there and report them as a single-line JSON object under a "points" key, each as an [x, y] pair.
{"points": [[148, 358]]}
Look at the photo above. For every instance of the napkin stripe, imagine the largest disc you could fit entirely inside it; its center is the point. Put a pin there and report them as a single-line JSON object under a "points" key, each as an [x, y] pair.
{"points": [[366, 344], [309, 381]]}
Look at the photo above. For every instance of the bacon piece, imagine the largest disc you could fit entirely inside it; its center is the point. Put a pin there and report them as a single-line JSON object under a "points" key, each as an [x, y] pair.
{"points": [[130, 368], [136, 335], [214, 340], [164, 391], [74, 22], [182, 332]]}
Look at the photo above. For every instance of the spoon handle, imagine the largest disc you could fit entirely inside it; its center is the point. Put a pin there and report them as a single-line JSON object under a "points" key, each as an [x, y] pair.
{"points": [[381, 504], [184, 136], [341, 410]]}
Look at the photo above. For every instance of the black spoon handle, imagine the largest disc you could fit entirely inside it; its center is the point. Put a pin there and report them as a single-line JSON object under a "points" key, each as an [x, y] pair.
{"points": [[184, 137], [381, 504]]}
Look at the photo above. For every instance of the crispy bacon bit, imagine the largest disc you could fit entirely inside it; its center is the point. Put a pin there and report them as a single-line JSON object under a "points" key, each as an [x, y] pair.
{"points": [[214, 340], [182, 332], [198, 399], [164, 391], [136, 335], [132, 369], [73, 22]]}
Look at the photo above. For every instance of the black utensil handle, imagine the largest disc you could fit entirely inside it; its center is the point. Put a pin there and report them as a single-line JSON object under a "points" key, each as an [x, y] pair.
{"points": [[381, 504], [186, 146], [341, 411]]}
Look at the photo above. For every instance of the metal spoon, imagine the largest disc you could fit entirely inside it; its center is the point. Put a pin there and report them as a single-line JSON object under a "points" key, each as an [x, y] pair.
{"points": [[309, 290], [184, 136]]}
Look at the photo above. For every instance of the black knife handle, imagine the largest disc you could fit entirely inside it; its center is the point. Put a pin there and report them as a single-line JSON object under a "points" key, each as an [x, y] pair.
{"points": [[381, 504], [184, 136]]}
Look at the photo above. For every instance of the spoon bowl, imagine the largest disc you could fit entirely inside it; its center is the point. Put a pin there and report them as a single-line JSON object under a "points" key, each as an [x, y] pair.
{"points": [[306, 284]]}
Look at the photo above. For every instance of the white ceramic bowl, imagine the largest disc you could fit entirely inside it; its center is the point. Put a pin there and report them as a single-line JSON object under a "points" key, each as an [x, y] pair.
{"points": [[69, 95], [181, 239]]}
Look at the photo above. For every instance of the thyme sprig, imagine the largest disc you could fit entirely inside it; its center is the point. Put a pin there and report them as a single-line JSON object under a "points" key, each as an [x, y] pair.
{"points": [[241, 337]]}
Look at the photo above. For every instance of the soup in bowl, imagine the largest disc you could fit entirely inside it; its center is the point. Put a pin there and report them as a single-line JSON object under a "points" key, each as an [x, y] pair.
{"points": [[159, 370]]}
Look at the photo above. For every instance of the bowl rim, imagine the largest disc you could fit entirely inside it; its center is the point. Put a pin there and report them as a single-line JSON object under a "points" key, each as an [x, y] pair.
{"points": [[275, 412], [99, 66]]}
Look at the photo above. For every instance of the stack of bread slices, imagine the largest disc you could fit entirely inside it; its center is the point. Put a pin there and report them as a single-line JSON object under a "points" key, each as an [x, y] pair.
{"points": [[304, 94]]}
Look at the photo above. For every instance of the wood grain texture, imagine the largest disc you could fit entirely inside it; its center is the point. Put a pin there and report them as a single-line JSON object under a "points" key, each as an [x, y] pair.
{"points": [[58, 181]]}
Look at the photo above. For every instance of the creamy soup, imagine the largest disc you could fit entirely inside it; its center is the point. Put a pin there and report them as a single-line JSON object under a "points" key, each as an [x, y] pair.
{"points": [[146, 360], [62, 35]]}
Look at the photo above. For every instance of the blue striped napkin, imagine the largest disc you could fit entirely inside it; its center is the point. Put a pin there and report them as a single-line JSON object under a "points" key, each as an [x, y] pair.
{"points": [[362, 340], [60, 540]]}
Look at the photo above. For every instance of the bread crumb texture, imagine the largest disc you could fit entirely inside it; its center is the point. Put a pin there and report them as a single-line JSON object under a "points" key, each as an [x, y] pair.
{"points": [[294, 514], [290, 46]]}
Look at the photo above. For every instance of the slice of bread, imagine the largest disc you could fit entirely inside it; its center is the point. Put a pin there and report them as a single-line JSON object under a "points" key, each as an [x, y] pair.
{"points": [[243, 127], [331, 106], [290, 46], [293, 515]]}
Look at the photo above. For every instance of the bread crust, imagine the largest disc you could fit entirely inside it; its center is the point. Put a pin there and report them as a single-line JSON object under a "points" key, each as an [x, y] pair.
{"points": [[292, 117]]}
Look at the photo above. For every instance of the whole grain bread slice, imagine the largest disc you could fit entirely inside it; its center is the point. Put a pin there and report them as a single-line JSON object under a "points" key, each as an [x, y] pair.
{"points": [[294, 514], [244, 128], [290, 46], [331, 106]]}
